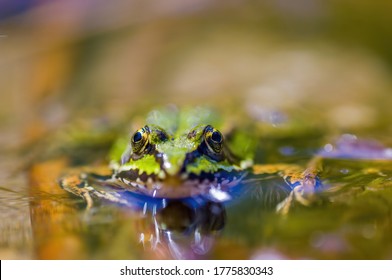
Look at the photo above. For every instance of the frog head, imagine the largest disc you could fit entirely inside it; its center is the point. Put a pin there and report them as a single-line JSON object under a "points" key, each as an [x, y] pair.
{"points": [[156, 158], [153, 153]]}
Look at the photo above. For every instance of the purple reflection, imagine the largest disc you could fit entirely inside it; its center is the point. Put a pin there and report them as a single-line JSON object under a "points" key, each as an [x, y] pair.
{"points": [[349, 146]]}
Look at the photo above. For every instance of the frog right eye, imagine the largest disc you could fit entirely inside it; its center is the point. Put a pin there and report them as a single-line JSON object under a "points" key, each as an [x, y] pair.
{"points": [[214, 139], [140, 140]]}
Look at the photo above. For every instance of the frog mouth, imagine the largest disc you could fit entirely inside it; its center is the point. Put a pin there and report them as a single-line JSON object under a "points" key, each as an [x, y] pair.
{"points": [[181, 185]]}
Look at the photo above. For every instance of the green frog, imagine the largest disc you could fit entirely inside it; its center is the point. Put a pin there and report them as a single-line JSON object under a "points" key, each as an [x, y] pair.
{"points": [[182, 154], [185, 171]]}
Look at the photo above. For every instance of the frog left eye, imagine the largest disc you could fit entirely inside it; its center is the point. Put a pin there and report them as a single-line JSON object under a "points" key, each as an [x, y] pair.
{"points": [[140, 140], [214, 139]]}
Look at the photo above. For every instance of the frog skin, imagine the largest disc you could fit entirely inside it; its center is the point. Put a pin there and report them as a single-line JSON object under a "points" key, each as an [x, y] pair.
{"points": [[178, 154]]}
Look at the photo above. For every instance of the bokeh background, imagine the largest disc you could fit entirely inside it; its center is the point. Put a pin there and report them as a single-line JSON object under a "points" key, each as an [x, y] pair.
{"points": [[102, 61]]}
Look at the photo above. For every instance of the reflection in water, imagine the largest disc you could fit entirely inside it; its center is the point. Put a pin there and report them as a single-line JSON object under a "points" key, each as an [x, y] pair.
{"points": [[196, 228], [134, 226], [187, 230], [145, 227], [180, 228]]}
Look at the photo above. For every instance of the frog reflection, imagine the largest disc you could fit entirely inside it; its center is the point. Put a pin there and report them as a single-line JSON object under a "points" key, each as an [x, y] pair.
{"points": [[183, 229]]}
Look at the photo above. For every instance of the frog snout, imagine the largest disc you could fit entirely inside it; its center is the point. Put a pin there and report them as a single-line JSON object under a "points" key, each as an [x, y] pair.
{"points": [[172, 164]]}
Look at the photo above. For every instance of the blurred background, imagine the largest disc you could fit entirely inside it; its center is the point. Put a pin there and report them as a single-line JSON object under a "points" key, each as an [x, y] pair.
{"points": [[102, 61]]}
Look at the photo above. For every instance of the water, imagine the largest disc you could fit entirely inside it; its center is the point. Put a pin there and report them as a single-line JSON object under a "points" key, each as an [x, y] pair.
{"points": [[349, 219], [69, 90]]}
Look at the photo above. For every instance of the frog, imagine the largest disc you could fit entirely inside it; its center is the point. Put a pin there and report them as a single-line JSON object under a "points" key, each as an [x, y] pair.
{"points": [[183, 210], [184, 155], [177, 154], [181, 169]]}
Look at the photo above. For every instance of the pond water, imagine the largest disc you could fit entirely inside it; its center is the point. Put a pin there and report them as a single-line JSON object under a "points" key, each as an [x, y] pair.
{"points": [[349, 218], [70, 90]]}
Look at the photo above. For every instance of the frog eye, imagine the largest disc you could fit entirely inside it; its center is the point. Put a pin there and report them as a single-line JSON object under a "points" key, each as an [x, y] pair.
{"points": [[140, 140], [214, 139]]}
